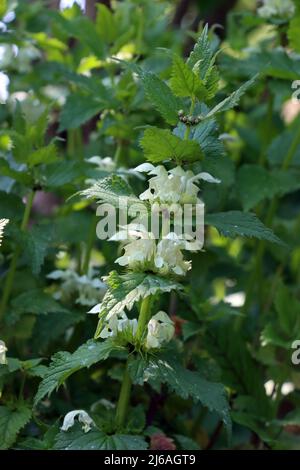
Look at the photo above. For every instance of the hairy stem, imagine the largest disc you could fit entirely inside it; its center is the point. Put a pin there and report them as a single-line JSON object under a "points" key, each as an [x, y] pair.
{"points": [[14, 261], [124, 396]]}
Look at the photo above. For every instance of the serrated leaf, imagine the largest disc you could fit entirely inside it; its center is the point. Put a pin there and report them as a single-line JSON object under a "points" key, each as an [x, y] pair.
{"points": [[36, 302], [124, 290], [36, 244], [232, 100], [78, 109], [202, 52], [206, 134], [160, 144], [64, 364], [11, 423], [184, 82], [45, 155], [244, 224], [161, 97], [113, 190], [76, 439], [164, 369], [254, 184]]}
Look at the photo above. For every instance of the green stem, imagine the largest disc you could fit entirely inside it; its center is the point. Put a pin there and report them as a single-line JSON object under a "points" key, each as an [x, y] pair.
{"points": [[118, 153], [124, 396], [188, 129], [14, 261]]}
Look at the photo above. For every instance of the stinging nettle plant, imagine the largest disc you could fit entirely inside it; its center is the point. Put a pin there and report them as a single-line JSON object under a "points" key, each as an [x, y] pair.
{"points": [[178, 158]]}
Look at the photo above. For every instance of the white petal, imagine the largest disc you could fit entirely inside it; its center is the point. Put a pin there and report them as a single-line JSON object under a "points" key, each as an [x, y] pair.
{"points": [[95, 309], [209, 178], [144, 168], [83, 417]]}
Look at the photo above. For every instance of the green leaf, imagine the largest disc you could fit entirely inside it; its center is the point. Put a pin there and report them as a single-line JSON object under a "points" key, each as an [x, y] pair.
{"points": [[126, 289], [293, 32], [20, 176], [206, 134], [165, 369], [64, 364], [36, 244], [113, 190], [161, 97], [202, 52], [232, 100], [44, 155], [160, 144], [243, 224], [76, 439], [106, 25], [35, 302], [11, 423], [78, 109], [184, 82], [287, 307], [254, 184]]}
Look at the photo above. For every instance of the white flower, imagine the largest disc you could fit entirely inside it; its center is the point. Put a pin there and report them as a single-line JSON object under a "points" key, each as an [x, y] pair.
{"points": [[144, 253], [3, 222], [173, 186], [69, 3], [83, 418], [117, 324], [3, 350], [87, 289], [4, 82], [277, 8], [160, 330], [105, 164]]}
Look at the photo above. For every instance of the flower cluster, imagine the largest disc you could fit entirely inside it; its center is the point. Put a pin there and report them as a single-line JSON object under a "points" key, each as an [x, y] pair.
{"points": [[119, 324], [173, 186], [161, 330], [86, 290], [144, 253], [283, 9]]}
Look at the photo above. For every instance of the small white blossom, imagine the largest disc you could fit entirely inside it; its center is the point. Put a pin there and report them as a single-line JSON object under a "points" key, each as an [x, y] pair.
{"points": [[86, 289], [173, 186], [3, 223], [69, 3], [117, 324], [83, 418], [160, 330], [4, 83], [3, 350], [144, 253], [284, 9], [105, 164]]}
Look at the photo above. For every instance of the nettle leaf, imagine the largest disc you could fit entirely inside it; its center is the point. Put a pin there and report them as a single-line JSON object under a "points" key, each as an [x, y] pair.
{"points": [[232, 100], [76, 439], [202, 52], [160, 144], [206, 134], [64, 364], [113, 190], [12, 420], [254, 184], [80, 108], [36, 302], [126, 289], [20, 176], [161, 97], [286, 181], [47, 154], [184, 82], [287, 308], [244, 224], [36, 244], [164, 369], [278, 148]]}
